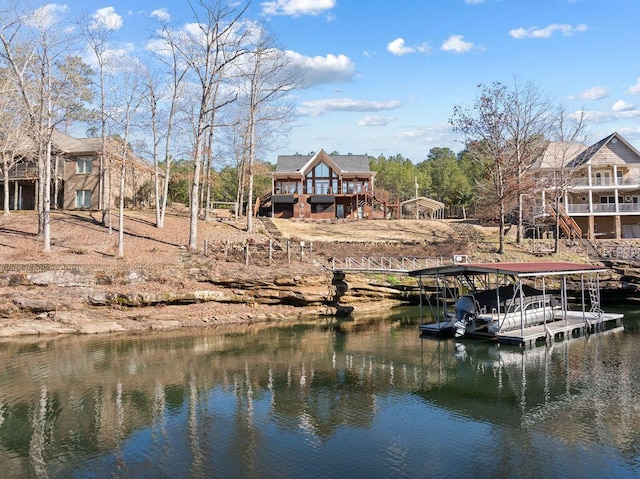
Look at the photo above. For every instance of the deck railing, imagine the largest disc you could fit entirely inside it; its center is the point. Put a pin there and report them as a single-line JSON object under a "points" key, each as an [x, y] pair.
{"points": [[396, 264]]}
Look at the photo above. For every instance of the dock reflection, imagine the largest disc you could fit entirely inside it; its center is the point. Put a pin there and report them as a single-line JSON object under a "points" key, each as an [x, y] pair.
{"points": [[176, 398]]}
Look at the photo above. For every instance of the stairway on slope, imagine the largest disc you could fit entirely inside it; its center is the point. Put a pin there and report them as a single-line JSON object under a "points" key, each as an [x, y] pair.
{"points": [[272, 229]]}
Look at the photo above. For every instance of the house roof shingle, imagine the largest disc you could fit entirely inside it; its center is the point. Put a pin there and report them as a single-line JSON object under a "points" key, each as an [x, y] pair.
{"points": [[348, 163]]}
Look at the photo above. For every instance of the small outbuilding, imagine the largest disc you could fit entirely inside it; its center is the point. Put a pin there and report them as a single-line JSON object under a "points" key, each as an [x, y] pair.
{"points": [[422, 208]]}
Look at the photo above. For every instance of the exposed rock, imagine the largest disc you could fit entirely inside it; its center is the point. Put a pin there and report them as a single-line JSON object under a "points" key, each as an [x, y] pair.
{"points": [[64, 278], [34, 305]]}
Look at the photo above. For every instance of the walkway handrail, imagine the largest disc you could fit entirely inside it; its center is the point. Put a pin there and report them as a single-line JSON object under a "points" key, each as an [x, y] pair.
{"points": [[396, 264]]}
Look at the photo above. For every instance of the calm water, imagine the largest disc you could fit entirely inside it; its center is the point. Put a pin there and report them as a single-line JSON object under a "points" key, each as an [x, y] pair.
{"points": [[331, 400]]}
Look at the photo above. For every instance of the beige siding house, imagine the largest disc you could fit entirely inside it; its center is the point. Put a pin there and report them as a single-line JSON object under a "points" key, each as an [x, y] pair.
{"points": [[76, 175], [598, 186]]}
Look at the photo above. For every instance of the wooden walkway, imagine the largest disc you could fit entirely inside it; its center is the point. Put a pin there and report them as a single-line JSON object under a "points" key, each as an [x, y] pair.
{"points": [[563, 328]]}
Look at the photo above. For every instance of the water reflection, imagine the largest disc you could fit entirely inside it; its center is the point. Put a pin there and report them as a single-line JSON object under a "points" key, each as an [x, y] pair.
{"points": [[289, 401]]}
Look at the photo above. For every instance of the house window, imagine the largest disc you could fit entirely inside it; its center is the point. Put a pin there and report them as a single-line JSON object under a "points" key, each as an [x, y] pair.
{"points": [[321, 207], [287, 187], [322, 187], [83, 198], [83, 166], [320, 179]]}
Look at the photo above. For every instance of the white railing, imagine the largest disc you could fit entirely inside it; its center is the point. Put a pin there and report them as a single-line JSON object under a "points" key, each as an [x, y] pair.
{"points": [[396, 264], [596, 182], [573, 208]]}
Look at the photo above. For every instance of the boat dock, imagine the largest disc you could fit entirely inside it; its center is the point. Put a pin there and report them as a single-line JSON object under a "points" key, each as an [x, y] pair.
{"points": [[574, 323]]}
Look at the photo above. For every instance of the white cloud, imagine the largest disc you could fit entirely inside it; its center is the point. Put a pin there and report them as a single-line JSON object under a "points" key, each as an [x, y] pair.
{"points": [[161, 14], [47, 15], [376, 120], [398, 47], [548, 31], [319, 70], [296, 8], [595, 93], [439, 134], [609, 116], [456, 44], [473, 2], [106, 18], [321, 107], [115, 59], [635, 89], [622, 105]]}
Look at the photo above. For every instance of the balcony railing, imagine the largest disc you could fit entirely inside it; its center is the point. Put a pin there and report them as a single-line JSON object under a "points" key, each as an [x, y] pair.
{"points": [[597, 182], [575, 208]]}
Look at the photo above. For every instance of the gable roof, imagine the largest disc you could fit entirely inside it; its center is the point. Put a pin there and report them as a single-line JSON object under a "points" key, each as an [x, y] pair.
{"points": [[64, 143], [342, 163], [559, 153], [587, 155], [572, 155]]}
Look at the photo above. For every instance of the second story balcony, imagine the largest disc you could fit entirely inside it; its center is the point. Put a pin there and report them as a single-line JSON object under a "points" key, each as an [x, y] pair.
{"points": [[602, 208], [597, 182]]}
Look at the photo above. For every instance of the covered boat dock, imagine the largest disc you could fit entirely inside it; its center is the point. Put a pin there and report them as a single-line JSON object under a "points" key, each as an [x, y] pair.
{"points": [[453, 281]]}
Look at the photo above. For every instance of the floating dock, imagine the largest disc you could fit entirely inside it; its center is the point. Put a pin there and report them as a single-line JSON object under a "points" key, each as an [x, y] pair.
{"points": [[567, 325]]}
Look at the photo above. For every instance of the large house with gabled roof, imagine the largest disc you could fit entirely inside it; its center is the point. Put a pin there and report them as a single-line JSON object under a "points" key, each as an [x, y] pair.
{"points": [[598, 187], [323, 186], [75, 173]]}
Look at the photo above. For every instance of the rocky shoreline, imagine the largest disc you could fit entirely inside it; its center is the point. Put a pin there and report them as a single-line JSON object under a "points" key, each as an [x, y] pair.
{"points": [[80, 299], [84, 300]]}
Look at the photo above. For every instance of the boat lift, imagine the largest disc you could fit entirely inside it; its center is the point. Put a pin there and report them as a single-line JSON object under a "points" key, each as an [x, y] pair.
{"points": [[489, 276]]}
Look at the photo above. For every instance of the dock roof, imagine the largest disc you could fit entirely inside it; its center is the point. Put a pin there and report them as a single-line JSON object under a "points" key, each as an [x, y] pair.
{"points": [[547, 268]]}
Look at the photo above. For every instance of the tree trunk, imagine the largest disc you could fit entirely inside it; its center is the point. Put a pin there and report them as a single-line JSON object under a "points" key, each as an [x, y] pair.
{"points": [[520, 229], [194, 204], [46, 200], [5, 179], [501, 229], [121, 210], [556, 241]]}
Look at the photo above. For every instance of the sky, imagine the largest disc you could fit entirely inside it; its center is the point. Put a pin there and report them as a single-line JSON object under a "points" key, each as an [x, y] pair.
{"points": [[382, 77]]}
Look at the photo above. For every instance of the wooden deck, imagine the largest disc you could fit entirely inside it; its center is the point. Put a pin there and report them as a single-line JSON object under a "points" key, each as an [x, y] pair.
{"points": [[562, 328]]}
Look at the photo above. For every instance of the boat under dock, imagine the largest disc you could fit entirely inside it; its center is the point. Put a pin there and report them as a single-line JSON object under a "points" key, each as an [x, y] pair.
{"points": [[567, 325]]}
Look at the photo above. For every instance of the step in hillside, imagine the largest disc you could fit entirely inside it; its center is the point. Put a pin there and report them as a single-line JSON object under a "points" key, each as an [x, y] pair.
{"points": [[272, 229]]}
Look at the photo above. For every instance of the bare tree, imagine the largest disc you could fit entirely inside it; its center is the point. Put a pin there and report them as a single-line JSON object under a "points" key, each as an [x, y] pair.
{"points": [[508, 131], [486, 132], [128, 98], [168, 53], [270, 77], [13, 130], [529, 121], [209, 49], [98, 35], [32, 46], [567, 142]]}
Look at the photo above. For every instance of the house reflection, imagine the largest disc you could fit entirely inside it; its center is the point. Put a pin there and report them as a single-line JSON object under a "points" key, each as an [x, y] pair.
{"points": [[185, 395]]}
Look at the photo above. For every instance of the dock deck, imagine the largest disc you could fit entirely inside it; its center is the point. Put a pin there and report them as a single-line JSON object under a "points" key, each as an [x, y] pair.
{"points": [[575, 322]]}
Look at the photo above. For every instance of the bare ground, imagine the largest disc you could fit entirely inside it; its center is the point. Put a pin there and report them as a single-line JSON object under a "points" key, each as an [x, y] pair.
{"points": [[78, 238]]}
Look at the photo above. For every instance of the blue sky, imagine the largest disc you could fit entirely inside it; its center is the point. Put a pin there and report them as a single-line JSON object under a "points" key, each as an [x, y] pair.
{"points": [[382, 77]]}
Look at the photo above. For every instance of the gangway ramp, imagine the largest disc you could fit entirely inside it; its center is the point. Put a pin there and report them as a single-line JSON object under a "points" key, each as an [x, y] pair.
{"points": [[386, 264]]}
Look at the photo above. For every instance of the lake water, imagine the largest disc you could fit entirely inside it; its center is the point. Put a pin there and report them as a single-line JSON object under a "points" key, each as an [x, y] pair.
{"points": [[361, 399]]}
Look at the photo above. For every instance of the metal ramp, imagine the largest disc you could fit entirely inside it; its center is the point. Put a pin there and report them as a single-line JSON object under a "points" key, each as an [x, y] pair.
{"points": [[381, 264]]}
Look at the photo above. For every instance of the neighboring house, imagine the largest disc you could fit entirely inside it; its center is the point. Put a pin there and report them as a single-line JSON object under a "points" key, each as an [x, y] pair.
{"points": [[76, 174], [323, 186], [598, 186]]}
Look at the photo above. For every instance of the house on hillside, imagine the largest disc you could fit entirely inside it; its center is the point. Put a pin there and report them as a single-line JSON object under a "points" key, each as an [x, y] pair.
{"points": [[598, 186], [75, 174], [323, 186]]}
